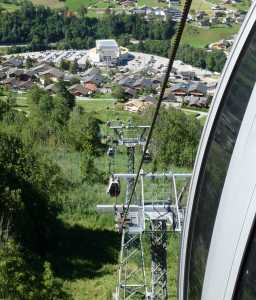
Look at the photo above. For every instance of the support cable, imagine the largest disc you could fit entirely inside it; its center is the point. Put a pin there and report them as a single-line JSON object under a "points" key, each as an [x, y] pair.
{"points": [[175, 47]]}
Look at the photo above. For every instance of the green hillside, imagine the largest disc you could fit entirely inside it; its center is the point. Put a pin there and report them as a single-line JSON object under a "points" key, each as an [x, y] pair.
{"points": [[200, 37]]}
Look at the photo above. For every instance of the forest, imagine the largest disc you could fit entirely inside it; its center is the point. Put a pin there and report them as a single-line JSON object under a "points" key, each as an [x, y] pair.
{"points": [[39, 26], [53, 173]]}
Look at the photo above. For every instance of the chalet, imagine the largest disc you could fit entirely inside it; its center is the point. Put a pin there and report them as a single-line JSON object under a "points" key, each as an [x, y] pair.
{"points": [[228, 21], [240, 19], [4, 69], [214, 21], [7, 81], [188, 75], [143, 83], [149, 10], [2, 75], [78, 90], [169, 96], [25, 85], [148, 98], [105, 90], [17, 85], [219, 13], [191, 101], [10, 82], [194, 101], [69, 77], [139, 11], [30, 73], [130, 92], [179, 89], [13, 62], [198, 89], [203, 102], [12, 72], [52, 74], [211, 88], [200, 15], [51, 88], [40, 68], [19, 74], [158, 80], [237, 14], [205, 22], [159, 12], [90, 87], [174, 14], [91, 71], [95, 79], [127, 82]]}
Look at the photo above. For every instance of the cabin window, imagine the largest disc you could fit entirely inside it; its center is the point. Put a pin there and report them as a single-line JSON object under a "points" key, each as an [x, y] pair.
{"points": [[215, 166]]}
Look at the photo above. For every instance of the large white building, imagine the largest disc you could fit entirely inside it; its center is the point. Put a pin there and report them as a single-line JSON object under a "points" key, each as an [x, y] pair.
{"points": [[218, 253], [106, 51]]}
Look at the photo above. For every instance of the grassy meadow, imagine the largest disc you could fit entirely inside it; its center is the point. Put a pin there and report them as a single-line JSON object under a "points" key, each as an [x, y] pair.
{"points": [[201, 37]]}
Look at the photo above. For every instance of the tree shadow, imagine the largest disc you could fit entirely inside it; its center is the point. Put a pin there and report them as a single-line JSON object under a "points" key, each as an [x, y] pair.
{"points": [[79, 252]]}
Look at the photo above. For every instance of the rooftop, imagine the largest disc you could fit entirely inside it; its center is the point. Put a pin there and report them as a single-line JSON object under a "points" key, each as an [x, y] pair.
{"points": [[106, 43]]}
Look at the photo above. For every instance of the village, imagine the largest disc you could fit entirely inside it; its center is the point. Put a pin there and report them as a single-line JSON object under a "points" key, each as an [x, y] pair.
{"points": [[99, 72], [220, 13]]}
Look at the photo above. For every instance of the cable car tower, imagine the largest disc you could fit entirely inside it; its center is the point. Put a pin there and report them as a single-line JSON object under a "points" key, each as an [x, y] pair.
{"points": [[145, 215], [131, 274]]}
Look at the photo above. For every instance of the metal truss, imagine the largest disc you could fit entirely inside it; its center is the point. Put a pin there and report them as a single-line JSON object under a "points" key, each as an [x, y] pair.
{"points": [[131, 273], [132, 282], [159, 260]]}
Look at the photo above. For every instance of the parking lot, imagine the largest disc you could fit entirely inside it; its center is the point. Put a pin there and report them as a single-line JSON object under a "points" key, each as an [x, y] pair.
{"points": [[140, 61]]}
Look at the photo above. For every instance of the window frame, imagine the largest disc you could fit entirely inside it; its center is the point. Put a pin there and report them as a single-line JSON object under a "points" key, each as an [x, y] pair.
{"points": [[215, 109]]}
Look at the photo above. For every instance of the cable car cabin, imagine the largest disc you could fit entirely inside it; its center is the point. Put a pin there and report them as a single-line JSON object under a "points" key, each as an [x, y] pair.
{"points": [[114, 187], [111, 152], [147, 157]]}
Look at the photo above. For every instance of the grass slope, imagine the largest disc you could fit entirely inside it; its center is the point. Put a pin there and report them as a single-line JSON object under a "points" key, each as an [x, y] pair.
{"points": [[200, 37], [51, 3]]}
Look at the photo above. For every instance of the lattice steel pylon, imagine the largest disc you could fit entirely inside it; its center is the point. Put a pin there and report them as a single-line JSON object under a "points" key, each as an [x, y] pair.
{"points": [[158, 239], [132, 282], [131, 274]]}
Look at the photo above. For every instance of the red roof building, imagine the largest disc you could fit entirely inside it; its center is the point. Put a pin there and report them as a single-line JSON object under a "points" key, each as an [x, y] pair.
{"points": [[91, 87]]}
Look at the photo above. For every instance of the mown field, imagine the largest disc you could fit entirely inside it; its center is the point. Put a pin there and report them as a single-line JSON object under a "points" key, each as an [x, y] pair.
{"points": [[200, 37], [76, 4]]}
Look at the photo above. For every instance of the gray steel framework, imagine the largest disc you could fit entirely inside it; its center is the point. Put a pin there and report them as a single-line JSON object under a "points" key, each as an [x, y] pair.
{"points": [[159, 259], [132, 281], [131, 273]]}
